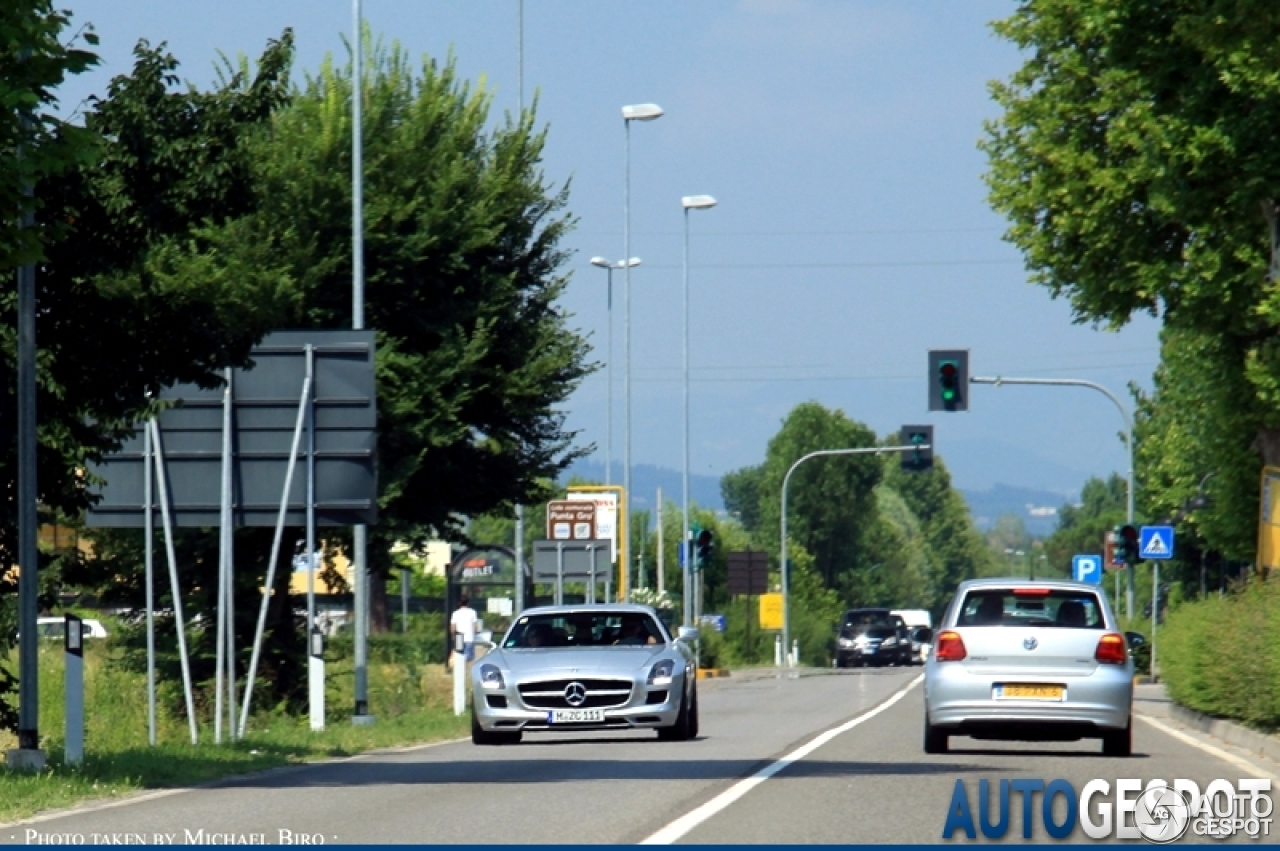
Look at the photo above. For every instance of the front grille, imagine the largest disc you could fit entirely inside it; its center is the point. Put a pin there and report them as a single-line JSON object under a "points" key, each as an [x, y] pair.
{"points": [[601, 694]]}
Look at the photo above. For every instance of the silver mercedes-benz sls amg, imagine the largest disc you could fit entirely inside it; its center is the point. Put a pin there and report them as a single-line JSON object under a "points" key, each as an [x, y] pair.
{"points": [[586, 667]]}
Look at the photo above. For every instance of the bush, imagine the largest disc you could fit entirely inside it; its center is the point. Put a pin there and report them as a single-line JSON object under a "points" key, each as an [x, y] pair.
{"points": [[1221, 655]]}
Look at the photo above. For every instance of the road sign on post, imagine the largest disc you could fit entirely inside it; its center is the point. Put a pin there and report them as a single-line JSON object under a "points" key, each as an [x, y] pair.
{"points": [[771, 611], [948, 379], [1155, 542], [571, 520], [748, 573], [1087, 568]]}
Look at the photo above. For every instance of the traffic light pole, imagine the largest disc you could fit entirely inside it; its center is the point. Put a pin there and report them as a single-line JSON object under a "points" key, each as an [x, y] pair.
{"points": [[1128, 440], [782, 558]]}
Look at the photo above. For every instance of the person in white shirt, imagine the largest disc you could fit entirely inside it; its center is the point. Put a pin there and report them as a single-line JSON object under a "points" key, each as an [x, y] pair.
{"points": [[463, 622]]}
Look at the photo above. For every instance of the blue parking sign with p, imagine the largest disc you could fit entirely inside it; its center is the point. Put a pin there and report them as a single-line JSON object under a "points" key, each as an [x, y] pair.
{"points": [[1087, 568]]}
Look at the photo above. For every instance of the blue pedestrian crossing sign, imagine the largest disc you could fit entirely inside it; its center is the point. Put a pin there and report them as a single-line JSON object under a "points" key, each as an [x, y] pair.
{"points": [[1155, 542], [1087, 569]]}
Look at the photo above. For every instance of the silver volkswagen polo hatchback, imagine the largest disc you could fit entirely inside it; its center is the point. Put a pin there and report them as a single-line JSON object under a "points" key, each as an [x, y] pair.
{"points": [[1024, 660]]}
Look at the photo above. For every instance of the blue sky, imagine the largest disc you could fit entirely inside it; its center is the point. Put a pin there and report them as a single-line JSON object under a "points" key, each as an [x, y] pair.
{"points": [[851, 235]]}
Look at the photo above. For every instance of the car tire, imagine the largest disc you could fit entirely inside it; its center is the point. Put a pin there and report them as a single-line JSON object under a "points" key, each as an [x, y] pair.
{"points": [[935, 740], [693, 716], [1118, 742], [685, 727]]}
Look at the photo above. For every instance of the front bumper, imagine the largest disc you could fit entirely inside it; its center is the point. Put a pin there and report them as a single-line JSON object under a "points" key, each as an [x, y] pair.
{"points": [[635, 713], [867, 656], [962, 703]]}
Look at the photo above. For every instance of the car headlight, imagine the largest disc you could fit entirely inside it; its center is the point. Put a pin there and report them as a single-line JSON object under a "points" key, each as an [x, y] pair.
{"points": [[491, 678], [660, 673], [844, 642], [888, 642]]}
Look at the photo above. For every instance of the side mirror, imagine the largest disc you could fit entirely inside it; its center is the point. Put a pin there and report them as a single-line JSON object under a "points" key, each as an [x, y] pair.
{"points": [[687, 634], [924, 635], [1135, 640]]}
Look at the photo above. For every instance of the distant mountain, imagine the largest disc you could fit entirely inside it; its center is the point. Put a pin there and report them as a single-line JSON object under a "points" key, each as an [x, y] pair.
{"points": [[1037, 508], [704, 491]]}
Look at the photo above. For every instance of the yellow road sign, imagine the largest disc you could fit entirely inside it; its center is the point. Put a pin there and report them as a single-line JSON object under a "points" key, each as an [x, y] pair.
{"points": [[771, 611]]}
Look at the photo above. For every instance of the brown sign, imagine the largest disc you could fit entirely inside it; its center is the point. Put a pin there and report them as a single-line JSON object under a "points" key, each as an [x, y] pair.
{"points": [[571, 520]]}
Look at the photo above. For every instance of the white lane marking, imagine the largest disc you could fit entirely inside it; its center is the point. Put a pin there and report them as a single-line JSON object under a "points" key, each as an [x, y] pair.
{"points": [[690, 820], [1237, 761]]}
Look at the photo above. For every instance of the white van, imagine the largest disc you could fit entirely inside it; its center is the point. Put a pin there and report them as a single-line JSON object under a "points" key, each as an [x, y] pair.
{"points": [[914, 617], [920, 624]]}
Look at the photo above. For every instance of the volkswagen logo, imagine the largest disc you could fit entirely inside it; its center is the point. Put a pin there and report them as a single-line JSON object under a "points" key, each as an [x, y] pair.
{"points": [[1030, 642], [575, 694]]}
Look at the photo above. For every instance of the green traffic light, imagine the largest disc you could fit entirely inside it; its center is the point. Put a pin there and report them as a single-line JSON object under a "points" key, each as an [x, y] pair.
{"points": [[948, 394]]}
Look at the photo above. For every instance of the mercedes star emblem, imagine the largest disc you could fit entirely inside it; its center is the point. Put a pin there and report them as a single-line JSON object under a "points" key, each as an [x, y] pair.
{"points": [[1030, 642], [575, 694]]}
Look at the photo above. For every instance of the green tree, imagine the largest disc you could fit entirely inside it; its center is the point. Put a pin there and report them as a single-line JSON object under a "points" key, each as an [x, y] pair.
{"points": [[1082, 528], [463, 273], [740, 490], [953, 546], [133, 207], [34, 61], [1199, 421], [1136, 162], [831, 501]]}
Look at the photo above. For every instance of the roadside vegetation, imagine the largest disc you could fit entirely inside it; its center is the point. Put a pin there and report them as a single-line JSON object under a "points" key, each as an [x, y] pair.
{"points": [[409, 693], [1241, 683]]}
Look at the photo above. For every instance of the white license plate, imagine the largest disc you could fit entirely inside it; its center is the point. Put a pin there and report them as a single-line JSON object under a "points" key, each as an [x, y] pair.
{"points": [[575, 716], [868, 651]]}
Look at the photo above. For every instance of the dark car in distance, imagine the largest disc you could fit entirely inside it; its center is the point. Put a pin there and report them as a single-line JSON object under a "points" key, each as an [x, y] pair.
{"points": [[872, 636]]}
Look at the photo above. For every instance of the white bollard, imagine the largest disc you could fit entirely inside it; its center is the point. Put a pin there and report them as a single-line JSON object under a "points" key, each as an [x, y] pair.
{"points": [[459, 683], [777, 651], [315, 678], [795, 652]]}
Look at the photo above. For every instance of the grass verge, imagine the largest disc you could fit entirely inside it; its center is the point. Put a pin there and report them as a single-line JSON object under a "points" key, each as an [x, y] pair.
{"points": [[412, 704]]}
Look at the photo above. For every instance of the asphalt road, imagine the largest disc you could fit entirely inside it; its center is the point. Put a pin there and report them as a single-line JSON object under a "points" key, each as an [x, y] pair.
{"points": [[869, 782]]}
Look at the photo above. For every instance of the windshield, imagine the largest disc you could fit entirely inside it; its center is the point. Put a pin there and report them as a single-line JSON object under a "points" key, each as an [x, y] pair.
{"points": [[584, 629], [859, 619], [1031, 607]]}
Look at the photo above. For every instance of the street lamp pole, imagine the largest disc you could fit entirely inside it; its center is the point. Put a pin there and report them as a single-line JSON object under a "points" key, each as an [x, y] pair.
{"points": [[360, 533], [635, 112], [608, 442], [1128, 442], [689, 202], [782, 558]]}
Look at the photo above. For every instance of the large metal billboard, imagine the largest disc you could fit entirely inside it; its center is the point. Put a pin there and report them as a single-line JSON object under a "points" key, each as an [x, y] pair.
{"points": [[265, 401]]}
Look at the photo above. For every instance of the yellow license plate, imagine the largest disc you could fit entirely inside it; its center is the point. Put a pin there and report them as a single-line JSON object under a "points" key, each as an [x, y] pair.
{"points": [[1029, 692]]}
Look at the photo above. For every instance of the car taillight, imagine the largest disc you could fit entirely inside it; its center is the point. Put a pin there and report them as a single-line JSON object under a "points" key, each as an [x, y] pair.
{"points": [[1111, 649], [949, 647]]}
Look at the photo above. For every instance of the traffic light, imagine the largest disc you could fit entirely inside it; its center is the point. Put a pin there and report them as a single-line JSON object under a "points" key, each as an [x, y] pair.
{"points": [[1127, 546], [706, 547], [949, 380], [917, 460]]}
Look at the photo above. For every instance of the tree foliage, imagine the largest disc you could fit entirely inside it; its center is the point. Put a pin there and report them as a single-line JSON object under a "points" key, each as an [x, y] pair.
{"points": [[463, 271], [1136, 162]]}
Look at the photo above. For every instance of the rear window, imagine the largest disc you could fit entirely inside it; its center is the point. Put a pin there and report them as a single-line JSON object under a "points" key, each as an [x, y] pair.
{"points": [[1031, 607]]}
